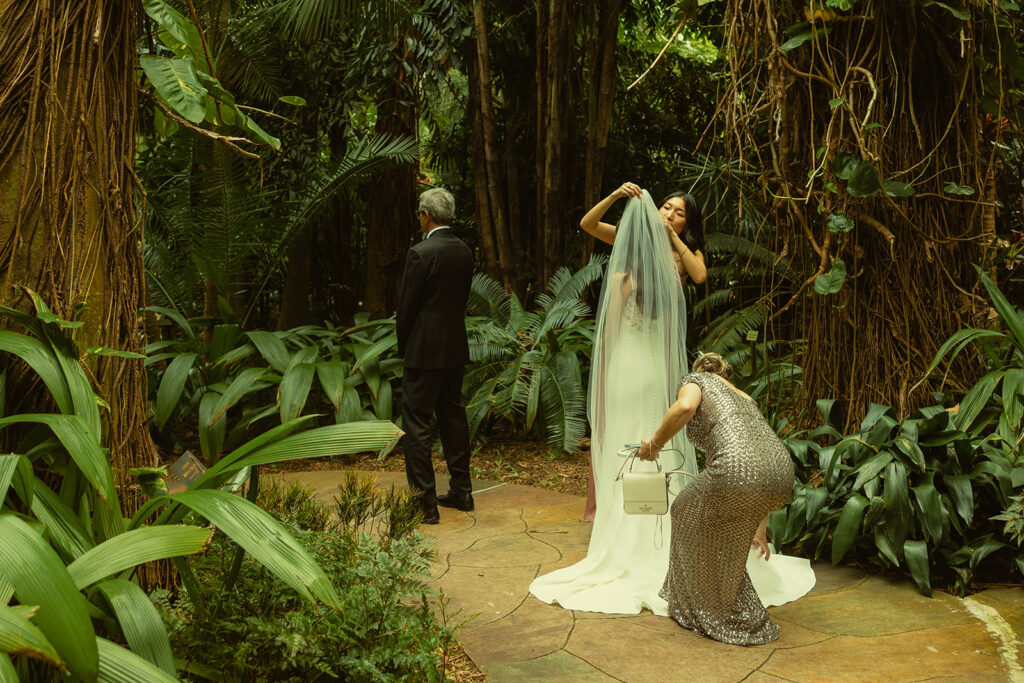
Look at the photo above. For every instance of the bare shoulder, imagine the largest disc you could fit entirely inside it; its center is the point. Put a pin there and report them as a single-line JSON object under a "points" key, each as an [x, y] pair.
{"points": [[689, 393]]}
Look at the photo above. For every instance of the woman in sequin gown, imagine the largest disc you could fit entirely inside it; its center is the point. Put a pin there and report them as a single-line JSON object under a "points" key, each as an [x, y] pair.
{"points": [[748, 475]]}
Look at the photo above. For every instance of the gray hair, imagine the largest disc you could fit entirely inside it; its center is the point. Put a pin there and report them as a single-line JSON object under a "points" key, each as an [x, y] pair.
{"points": [[439, 203]]}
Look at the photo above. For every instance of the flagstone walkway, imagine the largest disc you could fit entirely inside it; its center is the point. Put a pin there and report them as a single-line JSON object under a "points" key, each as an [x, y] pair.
{"points": [[851, 627]]}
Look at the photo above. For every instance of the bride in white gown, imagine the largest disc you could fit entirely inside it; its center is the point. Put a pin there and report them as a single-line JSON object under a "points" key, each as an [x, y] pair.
{"points": [[638, 358]]}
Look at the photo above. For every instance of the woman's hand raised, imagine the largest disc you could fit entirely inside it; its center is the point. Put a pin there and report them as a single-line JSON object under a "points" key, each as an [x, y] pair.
{"points": [[628, 190]]}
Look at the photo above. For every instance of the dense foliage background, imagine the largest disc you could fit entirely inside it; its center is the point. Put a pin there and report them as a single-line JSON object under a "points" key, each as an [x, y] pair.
{"points": [[205, 207]]}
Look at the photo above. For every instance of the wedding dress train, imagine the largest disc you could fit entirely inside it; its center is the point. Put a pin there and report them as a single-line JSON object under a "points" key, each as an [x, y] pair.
{"points": [[638, 359]]}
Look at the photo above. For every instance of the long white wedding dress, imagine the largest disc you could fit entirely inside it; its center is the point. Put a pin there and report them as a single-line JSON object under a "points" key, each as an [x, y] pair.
{"points": [[639, 357]]}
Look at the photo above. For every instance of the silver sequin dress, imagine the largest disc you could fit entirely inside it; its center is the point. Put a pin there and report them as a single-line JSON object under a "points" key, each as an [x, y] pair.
{"points": [[748, 474]]}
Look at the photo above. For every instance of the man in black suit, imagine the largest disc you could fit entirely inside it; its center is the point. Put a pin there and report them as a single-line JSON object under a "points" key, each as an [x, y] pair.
{"points": [[432, 341]]}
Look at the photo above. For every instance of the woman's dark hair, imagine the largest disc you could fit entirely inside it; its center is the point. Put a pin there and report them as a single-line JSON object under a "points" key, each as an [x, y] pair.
{"points": [[693, 235]]}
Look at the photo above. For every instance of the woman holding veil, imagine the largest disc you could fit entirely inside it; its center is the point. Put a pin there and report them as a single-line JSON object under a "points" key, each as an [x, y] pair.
{"points": [[639, 350]]}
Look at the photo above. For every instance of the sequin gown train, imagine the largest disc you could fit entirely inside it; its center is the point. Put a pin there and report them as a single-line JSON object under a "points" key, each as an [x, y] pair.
{"points": [[748, 474]]}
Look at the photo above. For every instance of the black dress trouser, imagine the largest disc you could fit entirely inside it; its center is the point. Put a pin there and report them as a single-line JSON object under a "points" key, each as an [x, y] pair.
{"points": [[424, 393]]}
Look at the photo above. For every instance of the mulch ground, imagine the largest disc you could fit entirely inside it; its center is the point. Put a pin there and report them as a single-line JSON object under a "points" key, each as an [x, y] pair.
{"points": [[514, 462]]}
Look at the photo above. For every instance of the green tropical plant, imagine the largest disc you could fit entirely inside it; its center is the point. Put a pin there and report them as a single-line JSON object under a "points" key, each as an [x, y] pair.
{"points": [[67, 555], [262, 630], [922, 493], [247, 378], [1001, 353], [526, 365]]}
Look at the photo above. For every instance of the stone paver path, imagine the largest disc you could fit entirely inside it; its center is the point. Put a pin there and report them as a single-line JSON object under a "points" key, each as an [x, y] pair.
{"points": [[851, 627]]}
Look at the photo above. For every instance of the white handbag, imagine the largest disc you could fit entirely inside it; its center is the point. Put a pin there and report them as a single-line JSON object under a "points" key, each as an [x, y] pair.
{"points": [[644, 493]]}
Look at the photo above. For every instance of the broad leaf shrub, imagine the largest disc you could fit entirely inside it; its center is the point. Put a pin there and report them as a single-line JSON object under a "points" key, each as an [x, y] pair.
{"points": [[239, 383], [384, 628], [925, 494], [69, 598]]}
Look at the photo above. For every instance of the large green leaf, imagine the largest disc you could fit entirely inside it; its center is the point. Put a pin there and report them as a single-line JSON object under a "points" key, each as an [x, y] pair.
{"points": [[351, 408], [118, 665], [832, 281], [240, 386], [211, 439], [16, 470], [63, 526], [916, 552], [988, 546], [271, 348], [870, 468], [863, 181], [1013, 395], [178, 84], [930, 504], [81, 443], [40, 578], [849, 526], [183, 31], [374, 351], [264, 539], [912, 450], [19, 636], [340, 439], [8, 674], [171, 385], [896, 494], [136, 547], [960, 490], [1010, 315], [383, 402], [294, 390], [40, 358], [977, 398], [332, 380], [140, 622]]}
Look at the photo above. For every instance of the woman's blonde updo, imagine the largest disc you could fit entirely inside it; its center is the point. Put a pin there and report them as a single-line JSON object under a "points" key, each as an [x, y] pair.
{"points": [[713, 363]]}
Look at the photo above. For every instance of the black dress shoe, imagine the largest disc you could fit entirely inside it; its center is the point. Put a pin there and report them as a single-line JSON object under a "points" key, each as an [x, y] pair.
{"points": [[431, 516], [458, 501]]}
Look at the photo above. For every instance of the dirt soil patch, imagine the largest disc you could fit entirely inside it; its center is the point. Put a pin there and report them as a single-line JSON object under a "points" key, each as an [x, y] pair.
{"points": [[516, 462]]}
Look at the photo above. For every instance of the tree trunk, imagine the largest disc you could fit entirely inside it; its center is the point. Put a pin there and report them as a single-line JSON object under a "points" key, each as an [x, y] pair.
{"points": [[554, 129], [295, 301], [601, 96], [68, 225], [392, 207], [494, 181], [482, 208], [540, 83], [908, 259]]}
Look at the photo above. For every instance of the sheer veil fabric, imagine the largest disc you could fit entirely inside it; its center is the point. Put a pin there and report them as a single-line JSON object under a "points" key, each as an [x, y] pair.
{"points": [[638, 358], [639, 355]]}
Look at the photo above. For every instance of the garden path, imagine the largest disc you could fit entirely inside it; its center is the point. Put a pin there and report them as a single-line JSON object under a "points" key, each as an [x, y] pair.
{"points": [[851, 627]]}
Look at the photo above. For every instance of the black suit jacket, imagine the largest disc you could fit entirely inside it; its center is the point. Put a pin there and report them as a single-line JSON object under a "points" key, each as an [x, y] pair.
{"points": [[431, 316]]}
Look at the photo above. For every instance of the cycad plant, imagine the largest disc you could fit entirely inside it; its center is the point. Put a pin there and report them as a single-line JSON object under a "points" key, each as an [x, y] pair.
{"points": [[526, 365]]}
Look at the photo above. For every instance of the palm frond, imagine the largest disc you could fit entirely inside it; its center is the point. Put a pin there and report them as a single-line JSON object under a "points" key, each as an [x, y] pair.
{"points": [[751, 252], [488, 298], [563, 402], [725, 335], [311, 20]]}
